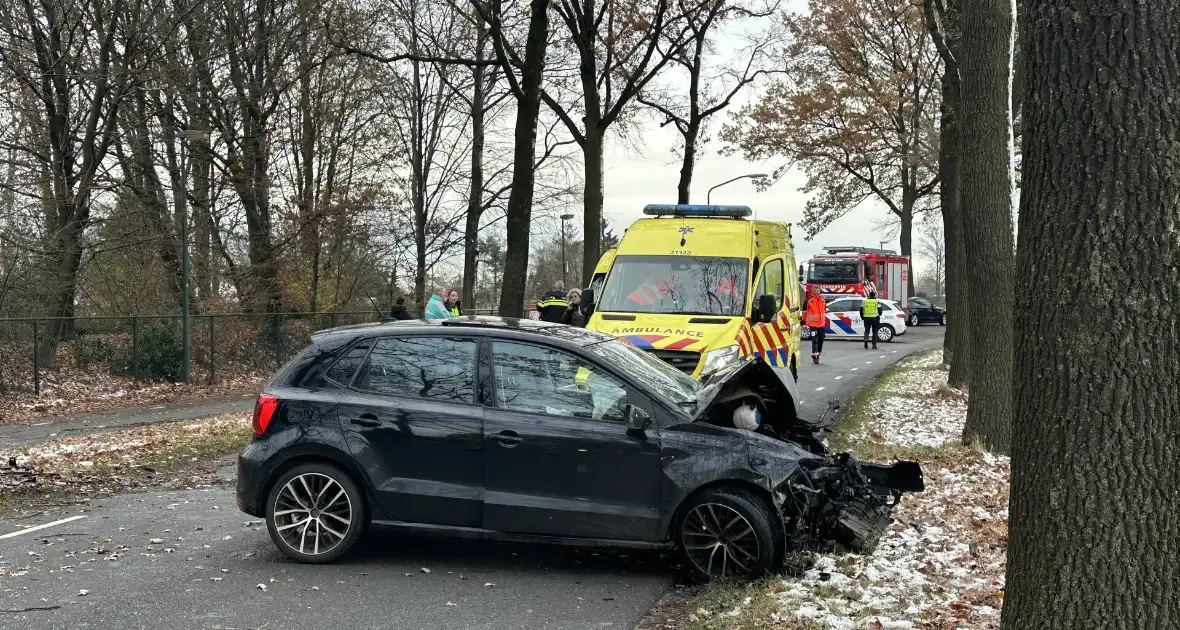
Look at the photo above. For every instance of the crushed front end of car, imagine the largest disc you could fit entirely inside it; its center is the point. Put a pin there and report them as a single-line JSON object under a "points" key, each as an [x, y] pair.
{"points": [[828, 501], [840, 503]]}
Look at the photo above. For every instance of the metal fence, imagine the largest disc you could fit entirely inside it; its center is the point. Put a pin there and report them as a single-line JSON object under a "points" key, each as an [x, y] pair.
{"points": [[150, 347]]}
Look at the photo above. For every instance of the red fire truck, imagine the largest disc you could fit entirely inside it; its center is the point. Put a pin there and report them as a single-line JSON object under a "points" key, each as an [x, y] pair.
{"points": [[845, 271]]}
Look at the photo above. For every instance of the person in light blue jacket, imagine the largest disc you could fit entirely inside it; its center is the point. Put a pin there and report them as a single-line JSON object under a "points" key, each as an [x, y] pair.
{"points": [[436, 308]]}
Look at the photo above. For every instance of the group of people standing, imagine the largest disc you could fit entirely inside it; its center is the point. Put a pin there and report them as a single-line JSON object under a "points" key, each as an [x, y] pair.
{"points": [[557, 306], [562, 307], [815, 317]]}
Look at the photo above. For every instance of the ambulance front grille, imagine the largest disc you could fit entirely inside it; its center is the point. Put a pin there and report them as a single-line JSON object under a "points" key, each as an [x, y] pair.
{"points": [[683, 360]]}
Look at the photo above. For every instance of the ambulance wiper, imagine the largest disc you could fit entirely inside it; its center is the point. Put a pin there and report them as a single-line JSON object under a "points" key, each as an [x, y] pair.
{"points": [[702, 313]]}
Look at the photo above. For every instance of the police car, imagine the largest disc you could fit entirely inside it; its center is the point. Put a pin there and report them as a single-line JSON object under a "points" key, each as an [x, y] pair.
{"points": [[844, 319]]}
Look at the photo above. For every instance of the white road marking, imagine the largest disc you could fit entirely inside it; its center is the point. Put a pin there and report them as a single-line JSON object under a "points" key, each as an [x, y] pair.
{"points": [[820, 389], [895, 352], [868, 362], [839, 377], [881, 357], [44, 526]]}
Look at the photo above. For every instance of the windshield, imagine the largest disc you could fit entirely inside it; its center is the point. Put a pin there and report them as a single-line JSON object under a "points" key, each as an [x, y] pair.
{"points": [[641, 366], [825, 272], [696, 285]]}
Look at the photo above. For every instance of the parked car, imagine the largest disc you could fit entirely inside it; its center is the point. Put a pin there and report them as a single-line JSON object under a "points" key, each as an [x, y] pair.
{"points": [[844, 320], [523, 430], [921, 311]]}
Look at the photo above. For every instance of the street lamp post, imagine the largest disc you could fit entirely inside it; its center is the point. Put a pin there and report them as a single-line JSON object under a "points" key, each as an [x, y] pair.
{"points": [[709, 195], [565, 217], [200, 137]]}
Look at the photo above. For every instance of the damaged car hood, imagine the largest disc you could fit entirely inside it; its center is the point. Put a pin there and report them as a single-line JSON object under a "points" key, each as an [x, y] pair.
{"points": [[720, 381]]}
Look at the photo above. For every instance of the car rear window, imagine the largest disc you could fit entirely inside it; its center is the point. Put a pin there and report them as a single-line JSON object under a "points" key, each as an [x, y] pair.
{"points": [[342, 370], [438, 368]]}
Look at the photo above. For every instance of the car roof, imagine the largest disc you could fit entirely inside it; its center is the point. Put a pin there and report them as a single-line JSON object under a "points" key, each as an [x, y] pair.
{"points": [[518, 327]]}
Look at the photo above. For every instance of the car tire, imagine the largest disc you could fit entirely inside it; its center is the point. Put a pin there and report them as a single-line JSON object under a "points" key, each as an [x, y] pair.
{"points": [[914, 319], [942, 320], [886, 333], [311, 484], [795, 368], [715, 515]]}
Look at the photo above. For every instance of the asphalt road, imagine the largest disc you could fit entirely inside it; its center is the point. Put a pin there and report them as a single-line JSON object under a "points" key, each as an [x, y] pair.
{"points": [[104, 570]]}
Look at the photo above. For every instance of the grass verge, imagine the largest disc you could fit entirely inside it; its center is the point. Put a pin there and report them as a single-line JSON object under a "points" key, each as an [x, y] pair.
{"points": [[74, 470]]}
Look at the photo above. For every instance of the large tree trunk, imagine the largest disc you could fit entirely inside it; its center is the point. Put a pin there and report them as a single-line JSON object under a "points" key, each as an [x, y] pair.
{"points": [[687, 164], [592, 196], [955, 344], [1095, 521], [520, 200], [475, 192], [986, 192], [906, 240]]}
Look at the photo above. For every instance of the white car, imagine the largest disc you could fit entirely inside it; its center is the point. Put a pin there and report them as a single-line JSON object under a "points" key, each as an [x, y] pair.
{"points": [[844, 320]]}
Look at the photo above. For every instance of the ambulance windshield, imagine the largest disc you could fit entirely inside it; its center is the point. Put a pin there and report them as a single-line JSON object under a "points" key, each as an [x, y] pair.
{"points": [[833, 272], [689, 285]]}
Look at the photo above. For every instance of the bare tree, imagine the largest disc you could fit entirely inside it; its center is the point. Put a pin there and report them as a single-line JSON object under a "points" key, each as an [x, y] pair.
{"points": [[708, 93], [78, 61], [621, 46]]}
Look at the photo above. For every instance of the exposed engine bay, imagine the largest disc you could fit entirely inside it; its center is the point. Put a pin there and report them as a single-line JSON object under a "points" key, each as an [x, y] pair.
{"points": [[828, 501]]}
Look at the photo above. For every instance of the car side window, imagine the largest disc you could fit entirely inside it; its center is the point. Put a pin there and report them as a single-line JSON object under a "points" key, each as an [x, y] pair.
{"points": [[919, 302], [772, 281], [851, 306], [884, 307], [436, 368], [342, 370], [535, 379]]}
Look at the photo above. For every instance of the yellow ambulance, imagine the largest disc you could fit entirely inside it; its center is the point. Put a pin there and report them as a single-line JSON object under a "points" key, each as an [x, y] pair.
{"points": [[701, 287]]}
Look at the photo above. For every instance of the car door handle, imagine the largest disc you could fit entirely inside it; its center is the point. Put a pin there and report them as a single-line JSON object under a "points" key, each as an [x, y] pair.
{"points": [[367, 420], [508, 439]]}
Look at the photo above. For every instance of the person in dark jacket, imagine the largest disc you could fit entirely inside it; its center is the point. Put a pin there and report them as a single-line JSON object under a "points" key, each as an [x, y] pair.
{"points": [[453, 304], [552, 306], [573, 313], [399, 310]]}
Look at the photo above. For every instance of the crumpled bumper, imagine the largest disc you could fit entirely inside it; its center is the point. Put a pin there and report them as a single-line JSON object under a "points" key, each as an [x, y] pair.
{"points": [[843, 503]]}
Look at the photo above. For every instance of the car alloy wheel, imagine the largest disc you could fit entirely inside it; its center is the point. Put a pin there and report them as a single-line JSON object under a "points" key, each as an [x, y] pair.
{"points": [[315, 513], [885, 333], [915, 320], [720, 541], [728, 532]]}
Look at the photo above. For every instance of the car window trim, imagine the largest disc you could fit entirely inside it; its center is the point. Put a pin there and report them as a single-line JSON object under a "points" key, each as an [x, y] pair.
{"points": [[375, 339], [496, 382], [340, 356]]}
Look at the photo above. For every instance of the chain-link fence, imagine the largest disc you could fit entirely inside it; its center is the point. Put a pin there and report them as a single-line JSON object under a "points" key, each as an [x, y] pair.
{"points": [[143, 347]]}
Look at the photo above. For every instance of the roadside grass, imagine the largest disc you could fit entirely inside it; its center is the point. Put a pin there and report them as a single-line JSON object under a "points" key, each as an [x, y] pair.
{"points": [[78, 469], [734, 605]]}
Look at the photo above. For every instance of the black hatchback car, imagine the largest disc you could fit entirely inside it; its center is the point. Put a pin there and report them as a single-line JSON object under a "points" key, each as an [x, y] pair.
{"points": [[922, 311], [521, 430]]}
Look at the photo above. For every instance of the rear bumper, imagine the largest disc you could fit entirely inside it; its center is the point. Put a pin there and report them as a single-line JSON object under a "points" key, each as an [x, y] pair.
{"points": [[252, 474]]}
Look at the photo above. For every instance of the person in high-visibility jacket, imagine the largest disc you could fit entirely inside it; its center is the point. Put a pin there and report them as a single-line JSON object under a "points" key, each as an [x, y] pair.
{"points": [[870, 312], [815, 317]]}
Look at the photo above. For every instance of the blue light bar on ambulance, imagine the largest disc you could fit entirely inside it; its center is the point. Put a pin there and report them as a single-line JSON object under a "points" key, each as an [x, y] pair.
{"points": [[688, 210]]}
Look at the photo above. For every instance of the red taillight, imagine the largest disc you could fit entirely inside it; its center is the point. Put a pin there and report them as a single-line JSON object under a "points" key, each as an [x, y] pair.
{"points": [[264, 410]]}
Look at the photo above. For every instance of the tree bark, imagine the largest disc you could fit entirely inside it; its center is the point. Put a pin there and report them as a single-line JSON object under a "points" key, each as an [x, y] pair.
{"points": [[687, 164], [520, 200], [906, 240], [592, 196], [1095, 521], [956, 353], [475, 191], [986, 193]]}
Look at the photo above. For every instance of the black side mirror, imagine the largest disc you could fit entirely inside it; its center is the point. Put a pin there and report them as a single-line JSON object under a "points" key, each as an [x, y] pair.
{"points": [[800, 274], [767, 306], [637, 418], [586, 303]]}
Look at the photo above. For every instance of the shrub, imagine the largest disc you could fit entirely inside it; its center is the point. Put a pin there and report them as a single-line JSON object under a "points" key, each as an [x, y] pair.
{"points": [[158, 351]]}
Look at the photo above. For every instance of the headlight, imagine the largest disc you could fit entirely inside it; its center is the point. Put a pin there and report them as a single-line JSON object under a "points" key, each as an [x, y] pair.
{"points": [[719, 358]]}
